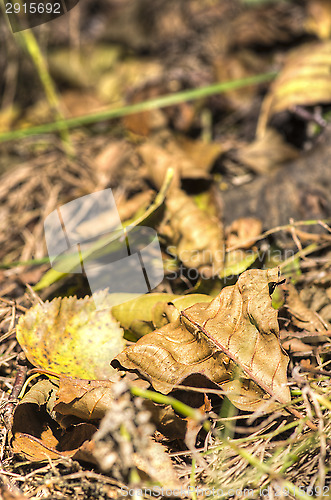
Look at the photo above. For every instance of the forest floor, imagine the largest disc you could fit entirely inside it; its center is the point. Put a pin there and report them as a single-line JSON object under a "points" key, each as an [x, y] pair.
{"points": [[209, 121]]}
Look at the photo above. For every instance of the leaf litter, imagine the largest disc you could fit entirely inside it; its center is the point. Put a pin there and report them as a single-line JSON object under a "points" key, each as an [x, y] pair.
{"points": [[229, 190], [231, 349]]}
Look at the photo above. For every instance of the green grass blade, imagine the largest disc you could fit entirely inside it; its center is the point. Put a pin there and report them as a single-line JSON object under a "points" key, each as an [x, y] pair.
{"points": [[160, 102]]}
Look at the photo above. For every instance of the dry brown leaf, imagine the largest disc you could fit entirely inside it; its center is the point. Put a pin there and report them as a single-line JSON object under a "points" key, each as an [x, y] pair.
{"points": [[304, 80], [191, 159], [301, 315], [48, 420], [319, 18], [297, 346], [235, 66], [91, 399], [156, 463], [86, 399], [242, 232], [36, 435], [197, 236], [266, 152], [233, 342]]}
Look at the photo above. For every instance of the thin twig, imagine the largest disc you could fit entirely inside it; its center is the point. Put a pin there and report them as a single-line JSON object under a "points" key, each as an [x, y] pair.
{"points": [[9, 406]]}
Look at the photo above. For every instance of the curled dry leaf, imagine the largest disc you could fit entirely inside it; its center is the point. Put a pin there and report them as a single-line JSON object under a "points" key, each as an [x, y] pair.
{"points": [[319, 18], [232, 342], [301, 315], [58, 418], [266, 152], [192, 159], [197, 236], [85, 399], [90, 400], [304, 80], [70, 336], [36, 435], [296, 346], [242, 233]]}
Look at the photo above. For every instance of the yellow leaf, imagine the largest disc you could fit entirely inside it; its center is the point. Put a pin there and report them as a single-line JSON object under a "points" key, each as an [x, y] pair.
{"points": [[71, 337], [319, 18], [304, 80]]}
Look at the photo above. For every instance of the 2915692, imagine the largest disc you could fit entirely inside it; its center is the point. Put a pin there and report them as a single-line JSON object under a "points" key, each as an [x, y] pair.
{"points": [[33, 8]]}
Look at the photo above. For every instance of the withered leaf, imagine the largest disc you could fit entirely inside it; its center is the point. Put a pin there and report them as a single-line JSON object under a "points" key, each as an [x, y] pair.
{"points": [[266, 152], [319, 18], [233, 342], [37, 435], [304, 80], [86, 399], [301, 315], [197, 236], [191, 159]]}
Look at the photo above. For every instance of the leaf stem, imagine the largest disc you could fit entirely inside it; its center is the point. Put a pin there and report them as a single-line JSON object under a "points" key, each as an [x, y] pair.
{"points": [[178, 406]]}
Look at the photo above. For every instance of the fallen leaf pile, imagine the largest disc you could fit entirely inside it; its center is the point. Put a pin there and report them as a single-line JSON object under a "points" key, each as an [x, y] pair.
{"points": [[230, 344], [39, 433], [233, 342]]}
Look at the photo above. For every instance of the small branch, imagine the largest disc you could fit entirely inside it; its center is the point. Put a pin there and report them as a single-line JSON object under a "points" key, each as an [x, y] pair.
{"points": [[9, 406]]}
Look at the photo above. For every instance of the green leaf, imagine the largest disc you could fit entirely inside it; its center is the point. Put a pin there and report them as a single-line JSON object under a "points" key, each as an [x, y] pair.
{"points": [[237, 262], [138, 315]]}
